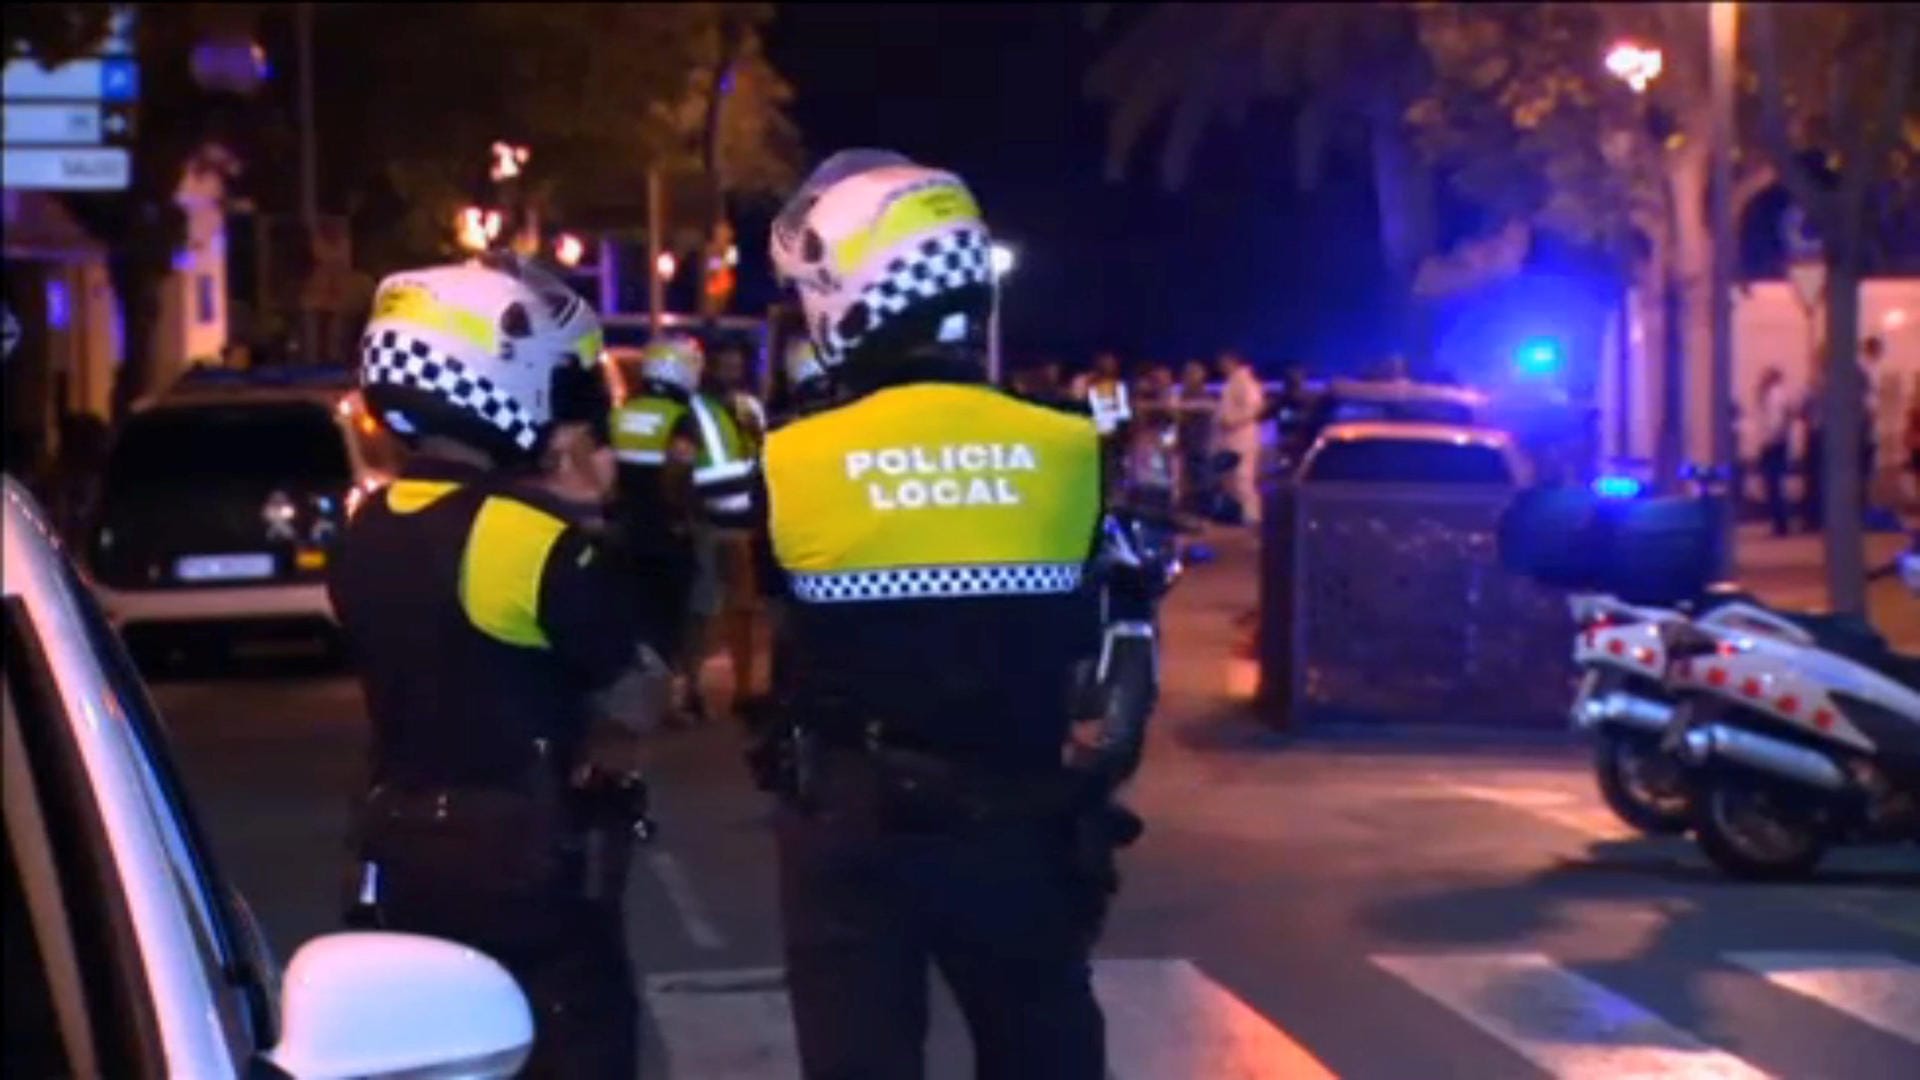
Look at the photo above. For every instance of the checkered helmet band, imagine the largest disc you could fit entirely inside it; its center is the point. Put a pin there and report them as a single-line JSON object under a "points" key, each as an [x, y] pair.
{"points": [[937, 266], [395, 358]]}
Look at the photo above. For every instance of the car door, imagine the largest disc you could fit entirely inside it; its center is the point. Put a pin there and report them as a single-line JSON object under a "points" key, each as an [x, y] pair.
{"points": [[165, 923]]}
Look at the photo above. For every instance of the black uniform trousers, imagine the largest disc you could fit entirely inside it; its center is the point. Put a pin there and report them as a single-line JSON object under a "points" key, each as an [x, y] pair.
{"points": [[567, 952], [993, 907]]}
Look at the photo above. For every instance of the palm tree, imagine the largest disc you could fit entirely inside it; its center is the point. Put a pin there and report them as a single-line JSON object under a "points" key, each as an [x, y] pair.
{"points": [[1348, 69]]}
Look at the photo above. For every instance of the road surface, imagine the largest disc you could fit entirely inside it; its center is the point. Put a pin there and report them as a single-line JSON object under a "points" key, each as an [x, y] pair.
{"points": [[1386, 905]]}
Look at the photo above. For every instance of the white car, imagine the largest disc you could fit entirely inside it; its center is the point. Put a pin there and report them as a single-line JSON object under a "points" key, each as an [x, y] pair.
{"points": [[125, 953], [222, 498], [1400, 452]]}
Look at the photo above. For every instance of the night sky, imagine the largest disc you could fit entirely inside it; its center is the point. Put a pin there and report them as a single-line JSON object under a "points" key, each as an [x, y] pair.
{"points": [[993, 92]]}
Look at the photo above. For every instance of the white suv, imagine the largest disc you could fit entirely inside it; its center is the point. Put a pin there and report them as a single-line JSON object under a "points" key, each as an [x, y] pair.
{"points": [[125, 953]]}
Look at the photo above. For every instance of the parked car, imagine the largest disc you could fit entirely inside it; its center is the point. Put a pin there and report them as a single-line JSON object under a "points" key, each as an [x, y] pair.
{"points": [[126, 953], [222, 500], [1393, 452], [1342, 401]]}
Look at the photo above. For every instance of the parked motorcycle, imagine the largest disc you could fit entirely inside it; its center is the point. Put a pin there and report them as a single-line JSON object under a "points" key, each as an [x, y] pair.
{"points": [[1139, 564], [1794, 741], [1625, 704]]}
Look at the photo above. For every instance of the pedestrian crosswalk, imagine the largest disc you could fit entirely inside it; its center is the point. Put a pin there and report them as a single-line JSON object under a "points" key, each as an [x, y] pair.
{"points": [[1167, 1019]]}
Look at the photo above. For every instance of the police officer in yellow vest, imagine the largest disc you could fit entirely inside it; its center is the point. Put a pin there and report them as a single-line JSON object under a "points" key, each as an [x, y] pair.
{"points": [[932, 534], [685, 470], [500, 680]]}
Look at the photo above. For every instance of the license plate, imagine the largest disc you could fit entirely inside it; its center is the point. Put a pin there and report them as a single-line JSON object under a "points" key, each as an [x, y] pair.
{"points": [[249, 567]]}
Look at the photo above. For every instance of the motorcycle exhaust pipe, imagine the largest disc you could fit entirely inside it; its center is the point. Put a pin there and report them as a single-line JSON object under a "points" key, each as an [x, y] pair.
{"points": [[1762, 753], [1644, 714]]}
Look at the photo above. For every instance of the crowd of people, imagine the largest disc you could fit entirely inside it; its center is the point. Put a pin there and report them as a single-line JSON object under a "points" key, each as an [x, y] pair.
{"points": [[1213, 432], [1791, 431]]}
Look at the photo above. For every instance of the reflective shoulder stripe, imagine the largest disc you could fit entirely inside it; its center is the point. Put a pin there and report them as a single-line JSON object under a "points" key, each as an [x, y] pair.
{"points": [[712, 441], [413, 496], [500, 575], [737, 503], [641, 457], [726, 470], [936, 582]]}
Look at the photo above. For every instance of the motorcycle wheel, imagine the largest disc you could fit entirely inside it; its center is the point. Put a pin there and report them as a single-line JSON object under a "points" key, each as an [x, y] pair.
{"points": [[1751, 831], [1642, 785]]}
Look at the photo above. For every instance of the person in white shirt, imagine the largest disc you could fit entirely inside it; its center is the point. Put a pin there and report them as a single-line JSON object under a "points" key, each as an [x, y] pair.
{"points": [[1774, 415], [1237, 429]]}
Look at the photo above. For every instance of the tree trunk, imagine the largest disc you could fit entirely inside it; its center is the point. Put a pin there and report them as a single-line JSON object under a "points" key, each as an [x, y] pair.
{"points": [[136, 289], [1843, 439], [1404, 198], [1687, 176]]}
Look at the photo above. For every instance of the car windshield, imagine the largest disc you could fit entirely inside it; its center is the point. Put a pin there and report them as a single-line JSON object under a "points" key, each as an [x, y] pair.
{"points": [[1429, 412], [1408, 461], [198, 446]]}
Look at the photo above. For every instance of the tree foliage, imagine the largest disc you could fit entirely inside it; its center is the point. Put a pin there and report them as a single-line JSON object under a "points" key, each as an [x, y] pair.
{"points": [[409, 97], [176, 123], [598, 92], [1347, 71], [1524, 122]]}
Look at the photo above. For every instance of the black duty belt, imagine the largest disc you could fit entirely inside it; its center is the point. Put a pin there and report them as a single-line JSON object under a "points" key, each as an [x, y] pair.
{"points": [[924, 790]]}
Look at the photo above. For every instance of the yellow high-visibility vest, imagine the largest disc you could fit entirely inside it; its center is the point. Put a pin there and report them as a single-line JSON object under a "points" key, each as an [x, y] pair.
{"points": [[933, 490]]}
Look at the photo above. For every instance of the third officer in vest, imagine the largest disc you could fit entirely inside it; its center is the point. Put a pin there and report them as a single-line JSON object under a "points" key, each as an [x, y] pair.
{"points": [[685, 472], [933, 534]]}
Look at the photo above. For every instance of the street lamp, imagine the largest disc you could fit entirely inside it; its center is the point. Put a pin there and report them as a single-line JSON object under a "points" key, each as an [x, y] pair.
{"points": [[1635, 65], [1003, 260], [508, 160], [569, 250]]}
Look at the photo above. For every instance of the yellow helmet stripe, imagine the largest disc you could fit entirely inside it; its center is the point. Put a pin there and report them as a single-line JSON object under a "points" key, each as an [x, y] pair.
{"points": [[416, 305], [921, 210]]}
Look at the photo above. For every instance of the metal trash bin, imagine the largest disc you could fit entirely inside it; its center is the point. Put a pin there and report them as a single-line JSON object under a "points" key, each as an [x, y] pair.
{"points": [[1389, 604]]}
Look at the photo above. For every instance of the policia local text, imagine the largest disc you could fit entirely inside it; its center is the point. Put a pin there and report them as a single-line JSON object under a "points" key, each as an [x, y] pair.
{"points": [[904, 468]]}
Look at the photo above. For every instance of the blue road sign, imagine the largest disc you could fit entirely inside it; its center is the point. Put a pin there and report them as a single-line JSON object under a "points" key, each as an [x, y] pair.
{"points": [[119, 79]]}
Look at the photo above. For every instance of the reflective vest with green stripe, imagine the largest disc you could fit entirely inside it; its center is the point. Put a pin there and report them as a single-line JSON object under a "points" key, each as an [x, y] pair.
{"points": [[724, 464]]}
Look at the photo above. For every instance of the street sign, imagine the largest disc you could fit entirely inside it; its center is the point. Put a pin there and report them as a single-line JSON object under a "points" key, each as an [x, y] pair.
{"points": [[69, 127]]}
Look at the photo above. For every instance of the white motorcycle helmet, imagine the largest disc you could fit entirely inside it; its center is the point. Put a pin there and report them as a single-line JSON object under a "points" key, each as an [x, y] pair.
{"points": [[887, 256], [491, 352], [675, 360]]}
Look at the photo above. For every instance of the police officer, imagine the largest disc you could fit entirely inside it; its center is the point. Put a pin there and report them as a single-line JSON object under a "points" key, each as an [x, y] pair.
{"points": [[500, 682], [685, 470], [933, 535], [656, 443]]}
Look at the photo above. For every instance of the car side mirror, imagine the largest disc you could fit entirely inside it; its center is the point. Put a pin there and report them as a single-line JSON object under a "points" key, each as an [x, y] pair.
{"points": [[383, 1004]]}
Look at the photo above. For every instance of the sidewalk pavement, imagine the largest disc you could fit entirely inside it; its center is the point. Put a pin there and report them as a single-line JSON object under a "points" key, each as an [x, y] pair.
{"points": [[1790, 571]]}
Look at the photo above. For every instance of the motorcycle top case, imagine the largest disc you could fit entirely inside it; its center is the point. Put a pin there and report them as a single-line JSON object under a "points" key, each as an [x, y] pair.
{"points": [[1646, 551]]}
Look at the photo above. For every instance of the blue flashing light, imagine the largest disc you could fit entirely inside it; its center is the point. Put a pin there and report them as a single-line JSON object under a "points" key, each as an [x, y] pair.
{"points": [[1616, 487], [1538, 357]]}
